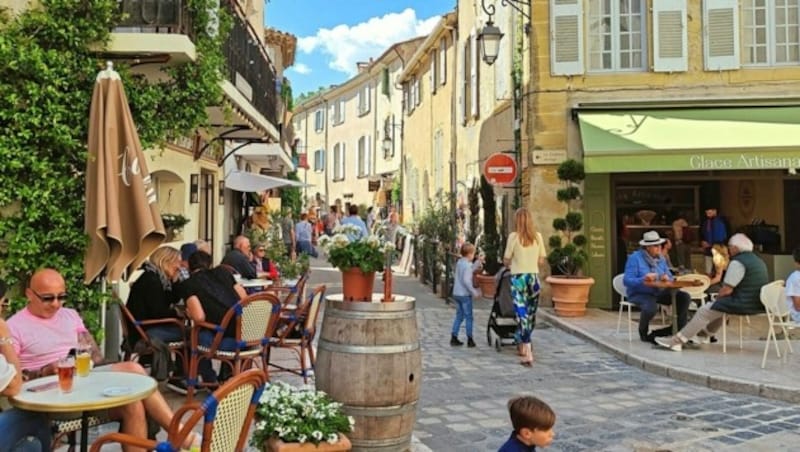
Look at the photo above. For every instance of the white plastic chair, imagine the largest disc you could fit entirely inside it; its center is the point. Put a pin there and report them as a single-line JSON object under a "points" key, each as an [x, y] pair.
{"points": [[741, 326], [773, 297], [619, 287], [697, 293]]}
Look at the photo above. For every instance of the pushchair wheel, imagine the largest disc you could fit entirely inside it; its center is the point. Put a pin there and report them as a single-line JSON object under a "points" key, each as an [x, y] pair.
{"points": [[497, 345]]}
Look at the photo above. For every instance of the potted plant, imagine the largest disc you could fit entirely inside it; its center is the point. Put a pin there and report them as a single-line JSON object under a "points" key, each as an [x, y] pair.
{"points": [[173, 224], [299, 419], [358, 258], [570, 289], [490, 243]]}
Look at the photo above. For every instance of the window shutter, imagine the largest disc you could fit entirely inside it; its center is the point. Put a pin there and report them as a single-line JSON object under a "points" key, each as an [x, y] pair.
{"points": [[669, 36], [473, 75], [433, 72], [368, 155], [417, 91], [332, 113], [341, 111], [385, 82], [462, 76], [341, 160], [721, 34], [443, 61], [566, 37], [369, 96]]}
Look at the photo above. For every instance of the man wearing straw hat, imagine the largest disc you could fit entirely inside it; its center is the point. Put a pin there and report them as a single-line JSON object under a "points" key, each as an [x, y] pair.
{"points": [[647, 264]]}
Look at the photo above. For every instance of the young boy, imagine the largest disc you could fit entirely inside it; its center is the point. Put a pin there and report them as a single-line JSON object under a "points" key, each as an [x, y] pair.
{"points": [[533, 422], [793, 288], [463, 291]]}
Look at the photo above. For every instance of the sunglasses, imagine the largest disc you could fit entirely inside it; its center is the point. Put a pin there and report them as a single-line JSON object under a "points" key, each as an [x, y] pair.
{"points": [[49, 298], [260, 249]]}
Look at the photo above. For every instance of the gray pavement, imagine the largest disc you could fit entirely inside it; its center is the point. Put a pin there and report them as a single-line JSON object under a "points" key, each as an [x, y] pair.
{"points": [[602, 403]]}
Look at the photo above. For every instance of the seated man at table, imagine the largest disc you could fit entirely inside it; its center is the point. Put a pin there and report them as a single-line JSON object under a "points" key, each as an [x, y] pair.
{"points": [[45, 331], [647, 265], [740, 294], [239, 258]]}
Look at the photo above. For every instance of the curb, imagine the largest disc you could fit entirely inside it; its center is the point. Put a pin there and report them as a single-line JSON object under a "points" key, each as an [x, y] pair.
{"points": [[727, 384]]}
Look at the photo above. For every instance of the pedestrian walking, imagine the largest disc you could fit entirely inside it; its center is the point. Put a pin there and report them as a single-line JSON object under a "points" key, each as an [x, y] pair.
{"points": [[533, 422], [525, 252], [463, 291]]}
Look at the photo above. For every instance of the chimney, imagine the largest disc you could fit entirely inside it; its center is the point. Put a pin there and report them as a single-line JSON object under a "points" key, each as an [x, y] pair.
{"points": [[363, 65]]}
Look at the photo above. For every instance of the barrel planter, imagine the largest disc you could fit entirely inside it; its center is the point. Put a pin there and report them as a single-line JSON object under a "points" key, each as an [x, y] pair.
{"points": [[369, 359]]}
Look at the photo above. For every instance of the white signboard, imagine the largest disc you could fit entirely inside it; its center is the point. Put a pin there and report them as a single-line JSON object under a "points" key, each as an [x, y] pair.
{"points": [[549, 157]]}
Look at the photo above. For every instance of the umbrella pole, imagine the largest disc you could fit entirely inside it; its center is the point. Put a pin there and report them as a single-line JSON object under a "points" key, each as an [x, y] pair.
{"points": [[103, 306]]}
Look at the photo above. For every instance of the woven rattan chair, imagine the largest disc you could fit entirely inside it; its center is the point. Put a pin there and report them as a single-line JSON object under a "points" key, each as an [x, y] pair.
{"points": [[178, 347], [255, 318], [296, 330], [226, 414], [290, 294]]}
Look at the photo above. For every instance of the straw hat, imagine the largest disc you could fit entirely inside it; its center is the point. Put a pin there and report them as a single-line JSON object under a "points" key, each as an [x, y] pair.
{"points": [[651, 238]]}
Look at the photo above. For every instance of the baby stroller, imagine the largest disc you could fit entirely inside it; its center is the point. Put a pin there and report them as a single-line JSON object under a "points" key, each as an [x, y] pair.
{"points": [[503, 319]]}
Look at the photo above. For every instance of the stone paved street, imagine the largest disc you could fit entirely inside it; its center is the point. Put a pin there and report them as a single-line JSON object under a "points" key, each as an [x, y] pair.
{"points": [[601, 402]]}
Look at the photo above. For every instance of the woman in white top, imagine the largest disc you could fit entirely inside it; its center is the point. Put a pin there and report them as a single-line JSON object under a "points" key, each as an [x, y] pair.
{"points": [[525, 252]]}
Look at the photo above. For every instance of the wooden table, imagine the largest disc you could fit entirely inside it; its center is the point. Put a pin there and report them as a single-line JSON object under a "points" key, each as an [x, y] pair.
{"points": [[98, 391], [673, 287]]}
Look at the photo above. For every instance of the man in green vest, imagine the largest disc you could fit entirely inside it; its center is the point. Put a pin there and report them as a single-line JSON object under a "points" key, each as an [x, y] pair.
{"points": [[739, 295]]}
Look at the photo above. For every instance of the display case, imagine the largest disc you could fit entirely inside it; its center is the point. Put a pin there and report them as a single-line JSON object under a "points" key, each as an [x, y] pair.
{"points": [[643, 208]]}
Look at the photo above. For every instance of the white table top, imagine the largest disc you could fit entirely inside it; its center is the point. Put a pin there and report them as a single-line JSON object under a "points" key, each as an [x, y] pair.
{"points": [[376, 298], [255, 282], [121, 388]]}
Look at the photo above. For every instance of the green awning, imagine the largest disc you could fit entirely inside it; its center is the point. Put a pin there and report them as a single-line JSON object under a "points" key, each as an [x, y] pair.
{"points": [[697, 139]]}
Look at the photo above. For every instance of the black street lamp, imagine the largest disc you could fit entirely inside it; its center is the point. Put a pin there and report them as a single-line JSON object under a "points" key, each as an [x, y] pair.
{"points": [[489, 38]]}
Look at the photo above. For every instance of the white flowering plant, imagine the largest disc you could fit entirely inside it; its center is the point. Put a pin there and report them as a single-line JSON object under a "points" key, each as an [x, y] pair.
{"points": [[298, 415], [347, 248]]}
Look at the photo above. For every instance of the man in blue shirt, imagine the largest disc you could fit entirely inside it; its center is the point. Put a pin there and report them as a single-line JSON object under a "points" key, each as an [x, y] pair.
{"points": [[713, 232], [355, 220], [644, 265]]}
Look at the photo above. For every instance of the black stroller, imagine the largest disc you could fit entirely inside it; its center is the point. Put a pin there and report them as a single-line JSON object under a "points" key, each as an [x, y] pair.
{"points": [[503, 319]]}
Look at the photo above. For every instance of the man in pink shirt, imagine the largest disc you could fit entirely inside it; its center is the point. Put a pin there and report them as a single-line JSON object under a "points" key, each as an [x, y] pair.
{"points": [[45, 331]]}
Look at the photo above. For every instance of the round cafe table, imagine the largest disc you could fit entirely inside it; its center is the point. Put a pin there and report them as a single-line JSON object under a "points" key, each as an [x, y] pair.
{"points": [[98, 391], [249, 283], [673, 287]]}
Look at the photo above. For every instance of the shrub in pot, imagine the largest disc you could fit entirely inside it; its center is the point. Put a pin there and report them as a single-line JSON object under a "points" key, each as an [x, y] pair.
{"points": [[490, 243]]}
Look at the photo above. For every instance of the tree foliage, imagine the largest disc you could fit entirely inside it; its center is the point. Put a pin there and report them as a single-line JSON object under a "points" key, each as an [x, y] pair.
{"points": [[46, 82], [567, 247]]}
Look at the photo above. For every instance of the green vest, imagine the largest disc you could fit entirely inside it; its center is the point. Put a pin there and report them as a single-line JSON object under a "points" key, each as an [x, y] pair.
{"points": [[746, 297]]}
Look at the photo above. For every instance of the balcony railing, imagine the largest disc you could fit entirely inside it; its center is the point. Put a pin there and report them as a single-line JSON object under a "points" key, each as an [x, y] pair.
{"points": [[156, 16], [249, 67]]}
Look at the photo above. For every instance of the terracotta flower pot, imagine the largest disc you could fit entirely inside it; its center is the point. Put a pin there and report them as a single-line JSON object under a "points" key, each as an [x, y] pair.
{"points": [[357, 285], [487, 285], [276, 445], [570, 294]]}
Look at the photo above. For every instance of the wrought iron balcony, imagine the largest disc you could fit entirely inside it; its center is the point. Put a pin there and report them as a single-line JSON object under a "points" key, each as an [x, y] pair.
{"points": [[249, 66], [156, 16]]}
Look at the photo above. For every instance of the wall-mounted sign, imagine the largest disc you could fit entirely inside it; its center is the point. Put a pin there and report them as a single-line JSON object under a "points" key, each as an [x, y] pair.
{"points": [[374, 185], [549, 157], [500, 169]]}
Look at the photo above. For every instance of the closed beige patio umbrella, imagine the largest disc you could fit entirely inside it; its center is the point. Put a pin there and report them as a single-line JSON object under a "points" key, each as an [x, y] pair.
{"points": [[122, 217]]}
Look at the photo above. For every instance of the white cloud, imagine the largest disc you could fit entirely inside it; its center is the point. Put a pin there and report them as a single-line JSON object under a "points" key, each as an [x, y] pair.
{"points": [[300, 68], [346, 45]]}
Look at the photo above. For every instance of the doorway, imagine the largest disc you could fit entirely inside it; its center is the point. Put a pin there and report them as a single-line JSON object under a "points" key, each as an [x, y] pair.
{"points": [[205, 230]]}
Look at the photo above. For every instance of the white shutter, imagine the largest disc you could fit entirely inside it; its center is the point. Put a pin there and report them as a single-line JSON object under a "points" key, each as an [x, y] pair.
{"points": [[332, 114], [341, 110], [341, 160], [669, 36], [443, 61], [368, 154], [566, 37], [721, 34], [473, 75], [417, 91], [462, 77], [369, 96]]}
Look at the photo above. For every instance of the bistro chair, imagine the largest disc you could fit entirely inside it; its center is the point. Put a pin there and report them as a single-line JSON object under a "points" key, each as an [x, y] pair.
{"points": [[773, 297], [145, 346], [296, 331], [255, 319], [619, 288], [226, 415], [725, 316], [697, 293], [290, 293]]}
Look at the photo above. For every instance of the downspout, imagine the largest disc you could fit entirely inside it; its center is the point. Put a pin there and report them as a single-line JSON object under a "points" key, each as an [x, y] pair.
{"points": [[327, 162]]}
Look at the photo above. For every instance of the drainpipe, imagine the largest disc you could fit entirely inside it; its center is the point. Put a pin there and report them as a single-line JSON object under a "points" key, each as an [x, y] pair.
{"points": [[453, 140], [327, 163]]}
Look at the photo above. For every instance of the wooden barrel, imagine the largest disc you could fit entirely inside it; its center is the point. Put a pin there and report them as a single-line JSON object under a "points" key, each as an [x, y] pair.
{"points": [[368, 359]]}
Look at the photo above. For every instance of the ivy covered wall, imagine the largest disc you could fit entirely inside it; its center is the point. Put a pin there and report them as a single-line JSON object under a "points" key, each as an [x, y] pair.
{"points": [[46, 83]]}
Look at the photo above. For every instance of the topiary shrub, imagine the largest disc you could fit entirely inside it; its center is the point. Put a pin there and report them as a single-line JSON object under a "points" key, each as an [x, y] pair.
{"points": [[568, 247]]}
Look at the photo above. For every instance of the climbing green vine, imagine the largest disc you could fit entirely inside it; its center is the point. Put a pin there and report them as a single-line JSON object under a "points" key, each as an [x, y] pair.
{"points": [[46, 83]]}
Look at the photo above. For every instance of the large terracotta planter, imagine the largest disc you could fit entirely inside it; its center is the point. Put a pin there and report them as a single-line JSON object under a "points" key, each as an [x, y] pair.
{"points": [[276, 445], [487, 284], [570, 294], [357, 285]]}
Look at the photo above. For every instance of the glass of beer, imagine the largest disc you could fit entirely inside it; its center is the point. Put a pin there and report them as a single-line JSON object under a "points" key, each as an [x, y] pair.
{"points": [[66, 371], [83, 362]]}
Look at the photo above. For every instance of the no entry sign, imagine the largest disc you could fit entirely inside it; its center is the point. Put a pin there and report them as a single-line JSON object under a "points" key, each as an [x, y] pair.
{"points": [[500, 169]]}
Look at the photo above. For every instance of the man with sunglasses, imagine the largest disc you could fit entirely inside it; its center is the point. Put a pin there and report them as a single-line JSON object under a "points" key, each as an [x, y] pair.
{"points": [[45, 331]]}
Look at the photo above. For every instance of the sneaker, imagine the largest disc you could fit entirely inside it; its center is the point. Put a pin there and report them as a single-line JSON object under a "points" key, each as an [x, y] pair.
{"points": [[177, 386], [701, 339], [470, 342], [454, 341], [666, 342]]}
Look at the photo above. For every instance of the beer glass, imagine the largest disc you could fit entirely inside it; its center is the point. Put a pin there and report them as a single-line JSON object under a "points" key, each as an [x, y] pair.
{"points": [[83, 357], [66, 371]]}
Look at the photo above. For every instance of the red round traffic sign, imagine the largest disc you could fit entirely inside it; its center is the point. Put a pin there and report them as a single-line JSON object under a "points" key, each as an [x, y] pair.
{"points": [[500, 169]]}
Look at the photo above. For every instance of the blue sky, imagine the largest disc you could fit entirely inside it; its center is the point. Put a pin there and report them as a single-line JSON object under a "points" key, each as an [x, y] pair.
{"points": [[335, 34]]}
